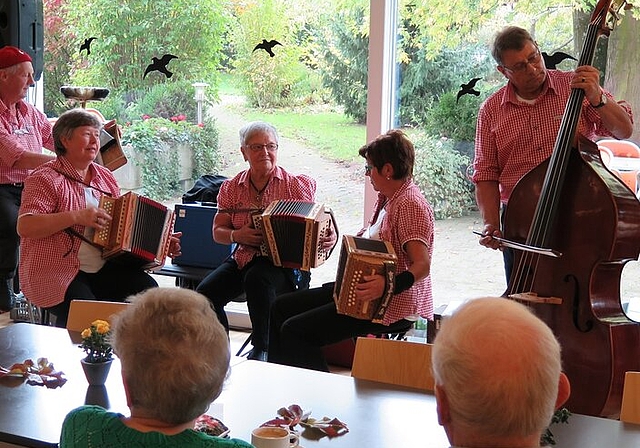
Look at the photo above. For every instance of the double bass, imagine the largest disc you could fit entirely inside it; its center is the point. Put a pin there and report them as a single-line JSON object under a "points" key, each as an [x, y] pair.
{"points": [[571, 206]]}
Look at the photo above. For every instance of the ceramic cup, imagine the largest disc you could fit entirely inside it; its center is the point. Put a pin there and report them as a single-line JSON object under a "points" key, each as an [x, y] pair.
{"points": [[274, 437]]}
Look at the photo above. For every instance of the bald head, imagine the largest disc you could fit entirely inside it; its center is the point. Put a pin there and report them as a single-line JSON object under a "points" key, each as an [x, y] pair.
{"points": [[499, 367]]}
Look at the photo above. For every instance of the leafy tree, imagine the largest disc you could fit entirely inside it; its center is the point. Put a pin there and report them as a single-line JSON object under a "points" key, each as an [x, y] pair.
{"points": [[268, 81], [345, 56], [130, 33], [59, 42]]}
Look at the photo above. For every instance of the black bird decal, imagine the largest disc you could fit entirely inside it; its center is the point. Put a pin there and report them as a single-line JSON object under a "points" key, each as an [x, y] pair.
{"points": [[160, 65], [550, 61], [468, 88], [267, 46], [87, 45]]}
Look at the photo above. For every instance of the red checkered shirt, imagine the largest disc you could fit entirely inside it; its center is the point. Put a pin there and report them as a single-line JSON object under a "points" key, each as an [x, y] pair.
{"points": [[236, 194], [28, 131], [513, 137], [408, 217], [48, 265]]}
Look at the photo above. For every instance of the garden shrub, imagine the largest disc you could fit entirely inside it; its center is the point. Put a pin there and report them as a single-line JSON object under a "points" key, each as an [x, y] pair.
{"points": [[154, 142], [440, 173]]}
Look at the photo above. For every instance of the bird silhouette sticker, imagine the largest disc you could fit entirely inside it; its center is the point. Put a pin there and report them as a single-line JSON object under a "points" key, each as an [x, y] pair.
{"points": [[468, 89], [160, 65], [267, 46], [87, 45], [550, 61]]}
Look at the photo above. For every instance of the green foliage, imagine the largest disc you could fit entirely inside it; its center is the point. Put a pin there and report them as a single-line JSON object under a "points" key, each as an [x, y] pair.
{"points": [[130, 33], [267, 82], [154, 147], [453, 120], [164, 101], [59, 42], [345, 58], [559, 416], [439, 172]]}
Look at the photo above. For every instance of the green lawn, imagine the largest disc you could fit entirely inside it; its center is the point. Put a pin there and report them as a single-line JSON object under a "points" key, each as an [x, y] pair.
{"points": [[331, 133]]}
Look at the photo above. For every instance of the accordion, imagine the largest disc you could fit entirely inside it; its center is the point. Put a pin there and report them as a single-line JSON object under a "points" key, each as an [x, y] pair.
{"points": [[359, 257], [111, 154], [293, 232], [139, 232]]}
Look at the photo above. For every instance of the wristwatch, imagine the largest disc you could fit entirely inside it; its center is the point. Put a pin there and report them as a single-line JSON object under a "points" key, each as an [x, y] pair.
{"points": [[603, 101]]}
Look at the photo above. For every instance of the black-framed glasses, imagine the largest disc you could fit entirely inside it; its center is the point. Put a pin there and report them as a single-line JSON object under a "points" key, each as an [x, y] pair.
{"points": [[271, 147], [367, 169], [523, 66]]}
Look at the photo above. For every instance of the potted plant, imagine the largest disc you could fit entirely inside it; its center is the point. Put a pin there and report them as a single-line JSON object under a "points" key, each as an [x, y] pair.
{"points": [[95, 343]]}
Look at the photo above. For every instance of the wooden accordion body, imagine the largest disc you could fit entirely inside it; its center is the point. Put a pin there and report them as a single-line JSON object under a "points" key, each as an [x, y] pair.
{"points": [[359, 257], [293, 232], [139, 232]]}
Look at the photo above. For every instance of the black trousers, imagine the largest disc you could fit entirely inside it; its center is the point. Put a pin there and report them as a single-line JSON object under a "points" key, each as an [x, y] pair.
{"points": [[112, 283], [260, 280], [10, 199], [305, 321]]}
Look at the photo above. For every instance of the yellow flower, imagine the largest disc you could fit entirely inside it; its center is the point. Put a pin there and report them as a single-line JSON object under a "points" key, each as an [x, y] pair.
{"points": [[95, 341], [102, 326]]}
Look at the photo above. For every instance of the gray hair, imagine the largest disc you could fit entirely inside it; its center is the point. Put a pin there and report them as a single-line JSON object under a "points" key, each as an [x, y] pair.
{"points": [[174, 353], [499, 366], [509, 38], [256, 127], [68, 122]]}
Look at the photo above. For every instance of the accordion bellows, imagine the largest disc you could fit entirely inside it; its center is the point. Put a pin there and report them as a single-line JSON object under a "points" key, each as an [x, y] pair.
{"points": [[293, 232], [139, 232], [359, 257]]}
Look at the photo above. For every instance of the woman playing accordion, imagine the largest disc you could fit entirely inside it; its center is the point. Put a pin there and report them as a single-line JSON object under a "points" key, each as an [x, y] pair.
{"points": [[301, 323]]}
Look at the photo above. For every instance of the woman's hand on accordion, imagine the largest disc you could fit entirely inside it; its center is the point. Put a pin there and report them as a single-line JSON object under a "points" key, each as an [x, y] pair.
{"points": [[329, 240], [94, 217], [174, 245], [371, 287]]}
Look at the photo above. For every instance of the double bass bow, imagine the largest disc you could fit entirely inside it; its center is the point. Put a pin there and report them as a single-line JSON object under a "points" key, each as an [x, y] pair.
{"points": [[573, 205]]}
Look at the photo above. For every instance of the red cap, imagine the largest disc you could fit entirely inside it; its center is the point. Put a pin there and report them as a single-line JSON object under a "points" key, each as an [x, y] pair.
{"points": [[10, 56]]}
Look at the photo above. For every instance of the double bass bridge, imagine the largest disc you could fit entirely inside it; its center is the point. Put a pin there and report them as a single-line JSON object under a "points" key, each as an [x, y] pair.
{"points": [[532, 297]]}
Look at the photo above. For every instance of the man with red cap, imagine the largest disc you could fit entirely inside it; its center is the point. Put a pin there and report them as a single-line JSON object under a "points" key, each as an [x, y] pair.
{"points": [[24, 131]]}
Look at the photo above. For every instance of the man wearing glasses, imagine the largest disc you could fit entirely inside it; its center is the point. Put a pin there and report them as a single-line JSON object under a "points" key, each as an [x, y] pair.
{"points": [[518, 125], [24, 131], [250, 191]]}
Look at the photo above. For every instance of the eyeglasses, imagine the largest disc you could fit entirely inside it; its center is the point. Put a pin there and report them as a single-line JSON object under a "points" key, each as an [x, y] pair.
{"points": [[367, 169], [523, 66], [271, 147]]}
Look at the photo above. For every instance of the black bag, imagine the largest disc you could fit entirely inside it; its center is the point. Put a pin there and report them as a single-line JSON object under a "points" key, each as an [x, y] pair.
{"points": [[205, 189]]}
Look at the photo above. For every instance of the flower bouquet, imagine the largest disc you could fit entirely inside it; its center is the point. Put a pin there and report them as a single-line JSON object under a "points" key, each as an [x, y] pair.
{"points": [[95, 342]]}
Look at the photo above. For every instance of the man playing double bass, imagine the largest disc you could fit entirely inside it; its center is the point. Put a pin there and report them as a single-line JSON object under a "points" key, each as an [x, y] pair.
{"points": [[518, 125]]}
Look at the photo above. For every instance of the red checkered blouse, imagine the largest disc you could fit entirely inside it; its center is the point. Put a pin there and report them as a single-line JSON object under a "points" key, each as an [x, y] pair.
{"points": [[408, 217], [236, 194], [48, 265], [28, 130], [513, 137]]}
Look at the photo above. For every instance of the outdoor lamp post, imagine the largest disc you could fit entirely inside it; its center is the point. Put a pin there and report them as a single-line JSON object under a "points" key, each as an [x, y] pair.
{"points": [[200, 86]]}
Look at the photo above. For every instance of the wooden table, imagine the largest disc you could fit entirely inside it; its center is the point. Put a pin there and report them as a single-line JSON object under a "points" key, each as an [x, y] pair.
{"points": [[378, 415]]}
